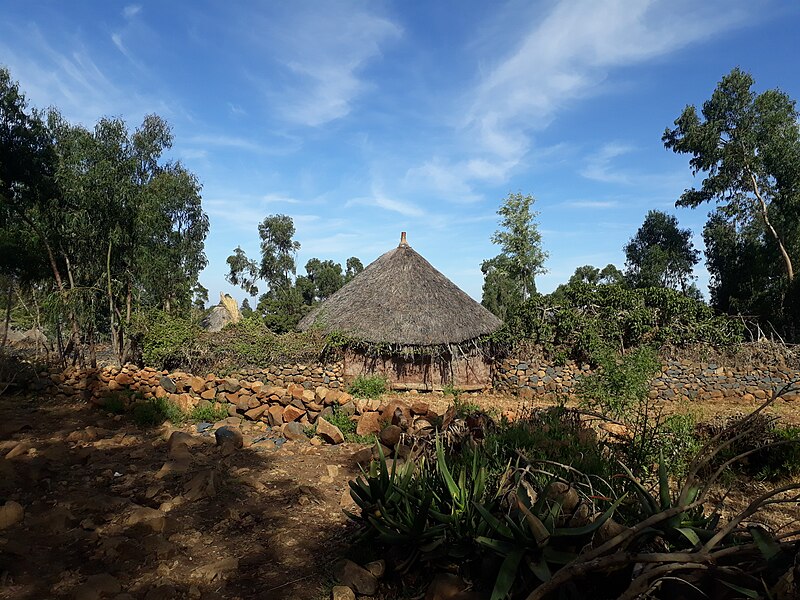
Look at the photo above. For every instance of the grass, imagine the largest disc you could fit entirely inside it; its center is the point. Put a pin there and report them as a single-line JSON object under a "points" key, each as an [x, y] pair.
{"points": [[348, 428], [210, 412], [368, 387]]}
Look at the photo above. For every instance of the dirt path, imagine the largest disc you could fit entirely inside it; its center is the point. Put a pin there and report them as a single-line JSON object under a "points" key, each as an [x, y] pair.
{"points": [[113, 509]]}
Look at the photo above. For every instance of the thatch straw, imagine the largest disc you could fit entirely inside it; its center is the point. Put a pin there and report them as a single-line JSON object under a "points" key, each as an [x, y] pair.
{"points": [[402, 300]]}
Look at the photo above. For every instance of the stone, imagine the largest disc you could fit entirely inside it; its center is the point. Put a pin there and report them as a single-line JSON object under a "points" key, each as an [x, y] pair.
{"points": [[275, 415], [376, 567], [398, 413], [293, 431], [22, 448], [445, 586], [344, 398], [202, 485], [295, 391], [342, 592], [418, 407], [292, 413], [98, 586], [390, 435], [308, 397], [362, 457], [255, 413], [218, 317], [355, 577], [11, 513], [150, 518], [229, 435], [332, 397], [330, 433], [217, 570], [123, 379], [230, 385], [369, 423], [197, 384], [168, 384], [320, 393]]}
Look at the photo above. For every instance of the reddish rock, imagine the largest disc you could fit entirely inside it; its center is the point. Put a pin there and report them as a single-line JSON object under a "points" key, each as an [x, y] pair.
{"points": [[198, 384], [418, 407], [390, 435], [123, 379], [398, 413], [295, 391], [330, 433], [253, 402], [292, 413], [209, 394], [255, 413], [344, 398], [369, 423], [320, 393], [332, 397], [275, 415]]}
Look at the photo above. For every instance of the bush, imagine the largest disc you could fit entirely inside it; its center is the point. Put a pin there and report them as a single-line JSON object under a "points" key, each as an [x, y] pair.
{"points": [[211, 412], [347, 426], [368, 387], [166, 340], [156, 411]]}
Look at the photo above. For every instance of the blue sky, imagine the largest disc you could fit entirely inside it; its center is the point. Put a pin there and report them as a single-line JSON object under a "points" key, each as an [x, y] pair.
{"points": [[364, 119]]}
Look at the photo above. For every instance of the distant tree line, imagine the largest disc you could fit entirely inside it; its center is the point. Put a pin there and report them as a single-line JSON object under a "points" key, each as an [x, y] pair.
{"points": [[747, 148], [288, 297], [96, 226]]}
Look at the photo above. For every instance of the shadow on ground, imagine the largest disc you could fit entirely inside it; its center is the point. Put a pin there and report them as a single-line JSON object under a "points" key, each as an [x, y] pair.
{"points": [[112, 509]]}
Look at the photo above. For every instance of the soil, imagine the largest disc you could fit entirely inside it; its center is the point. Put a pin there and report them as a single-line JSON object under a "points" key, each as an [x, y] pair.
{"points": [[113, 510]]}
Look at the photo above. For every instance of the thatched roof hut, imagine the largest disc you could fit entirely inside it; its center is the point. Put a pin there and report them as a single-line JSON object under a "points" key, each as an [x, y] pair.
{"points": [[401, 305]]}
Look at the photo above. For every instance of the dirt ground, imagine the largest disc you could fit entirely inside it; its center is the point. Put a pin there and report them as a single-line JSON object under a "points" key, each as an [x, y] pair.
{"points": [[112, 510]]}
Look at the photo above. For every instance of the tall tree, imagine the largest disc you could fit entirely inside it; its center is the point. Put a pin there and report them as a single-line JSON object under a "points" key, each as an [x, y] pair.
{"points": [[609, 274], [748, 147], [661, 254], [242, 272], [278, 250], [353, 268], [512, 273]]}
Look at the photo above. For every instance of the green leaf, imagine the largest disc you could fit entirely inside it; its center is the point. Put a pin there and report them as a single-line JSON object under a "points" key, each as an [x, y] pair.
{"points": [[540, 569], [747, 592], [663, 483], [507, 575], [690, 535], [766, 544]]}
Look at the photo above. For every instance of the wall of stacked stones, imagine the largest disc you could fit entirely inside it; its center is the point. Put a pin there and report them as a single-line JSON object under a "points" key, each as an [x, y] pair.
{"points": [[679, 379]]}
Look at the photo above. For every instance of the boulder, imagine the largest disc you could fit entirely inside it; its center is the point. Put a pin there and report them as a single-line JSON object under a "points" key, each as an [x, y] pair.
{"points": [[330, 433], [221, 315]]}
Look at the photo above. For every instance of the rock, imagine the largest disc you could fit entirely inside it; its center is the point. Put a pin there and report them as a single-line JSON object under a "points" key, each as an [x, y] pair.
{"points": [[330, 433], [255, 413], [390, 435], [11, 513], [221, 315], [98, 586], [342, 592], [294, 431], [343, 398], [445, 586], [369, 423], [376, 567], [217, 570], [150, 518], [398, 413], [202, 485], [123, 379], [418, 407], [209, 394], [355, 577], [168, 384], [197, 384], [292, 413], [21, 448], [320, 393], [229, 438], [275, 415]]}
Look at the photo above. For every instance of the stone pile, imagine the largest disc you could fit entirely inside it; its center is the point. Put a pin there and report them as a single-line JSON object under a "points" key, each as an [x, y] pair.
{"points": [[679, 379], [293, 408]]}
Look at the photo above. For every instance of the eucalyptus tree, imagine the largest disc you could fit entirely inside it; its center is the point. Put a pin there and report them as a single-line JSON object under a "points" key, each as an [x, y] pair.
{"points": [[747, 145], [661, 254]]}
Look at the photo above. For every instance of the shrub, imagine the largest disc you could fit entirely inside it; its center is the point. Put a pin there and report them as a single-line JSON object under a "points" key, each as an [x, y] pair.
{"points": [[210, 412], [368, 387], [348, 427], [166, 340], [154, 412]]}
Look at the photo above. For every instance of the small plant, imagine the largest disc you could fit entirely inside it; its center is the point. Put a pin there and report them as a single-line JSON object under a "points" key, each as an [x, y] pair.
{"points": [[347, 426], [464, 408], [210, 412], [154, 412], [368, 387], [115, 404]]}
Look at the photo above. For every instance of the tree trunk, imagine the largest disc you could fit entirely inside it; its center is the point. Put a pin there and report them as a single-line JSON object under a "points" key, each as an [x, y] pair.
{"points": [[8, 312], [786, 258]]}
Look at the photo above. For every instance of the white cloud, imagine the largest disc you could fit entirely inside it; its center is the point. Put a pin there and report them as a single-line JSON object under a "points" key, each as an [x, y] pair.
{"points": [[599, 204], [323, 49], [131, 10], [567, 55], [599, 164], [407, 209]]}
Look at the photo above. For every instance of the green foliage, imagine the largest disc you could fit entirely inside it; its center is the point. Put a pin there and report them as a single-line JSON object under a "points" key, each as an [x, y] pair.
{"points": [[582, 319], [348, 427], [509, 278], [774, 450], [210, 413], [747, 147], [620, 382], [166, 340], [661, 254], [156, 411], [368, 387], [115, 404]]}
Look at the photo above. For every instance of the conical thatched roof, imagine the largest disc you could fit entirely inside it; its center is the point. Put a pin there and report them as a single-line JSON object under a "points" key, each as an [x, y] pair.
{"points": [[401, 299]]}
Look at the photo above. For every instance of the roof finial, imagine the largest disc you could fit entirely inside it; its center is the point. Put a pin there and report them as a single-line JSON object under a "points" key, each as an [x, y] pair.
{"points": [[403, 241]]}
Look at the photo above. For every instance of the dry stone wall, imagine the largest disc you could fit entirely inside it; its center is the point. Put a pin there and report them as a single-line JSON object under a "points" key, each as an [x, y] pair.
{"points": [[679, 379]]}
